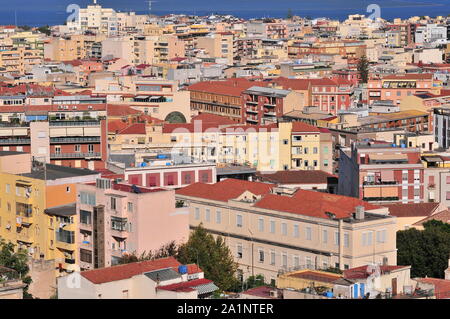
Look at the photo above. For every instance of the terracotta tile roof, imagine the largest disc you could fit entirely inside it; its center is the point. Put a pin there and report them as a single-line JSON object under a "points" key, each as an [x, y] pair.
{"points": [[239, 129], [129, 189], [441, 286], [412, 210], [137, 128], [224, 190], [232, 87], [262, 292], [189, 127], [122, 110], [316, 276], [410, 76], [363, 272], [212, 118], [186, 286], [314, 204], [121, 272], [115, 126], [302, 127], [443, 216], [298, 177]]}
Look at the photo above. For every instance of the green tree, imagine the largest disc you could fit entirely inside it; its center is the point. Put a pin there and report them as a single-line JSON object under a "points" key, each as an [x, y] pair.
{"points": [[168, 250], [255, 281], [427, 251], [363, 69], [212, 255], [16, 260], [45, 29]]}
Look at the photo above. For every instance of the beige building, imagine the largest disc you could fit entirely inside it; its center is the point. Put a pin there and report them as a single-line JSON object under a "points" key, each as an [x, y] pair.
{"points": [[218, 45], [268, 233]]}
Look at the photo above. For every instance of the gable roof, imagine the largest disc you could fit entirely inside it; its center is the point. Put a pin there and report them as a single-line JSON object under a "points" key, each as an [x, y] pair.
{"points": [[441, 286], [302, 127], [365, 271], [137, 128], [443, 216], [298, 177], [314, 204], [412, 209], [121, 272], [224, 190]]}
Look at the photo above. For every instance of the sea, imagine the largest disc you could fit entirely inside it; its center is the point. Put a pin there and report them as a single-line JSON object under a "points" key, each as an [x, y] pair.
{"points": [[53, 12]]}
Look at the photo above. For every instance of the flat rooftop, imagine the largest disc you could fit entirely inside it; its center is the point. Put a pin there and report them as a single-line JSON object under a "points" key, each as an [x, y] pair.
{"points": [[53, 172]]}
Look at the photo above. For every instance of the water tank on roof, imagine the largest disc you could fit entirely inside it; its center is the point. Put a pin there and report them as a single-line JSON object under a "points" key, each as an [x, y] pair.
{"points": [[161, 156], [182, 269], [394, 145], [329, 294], [403, 146], [143, 164]]}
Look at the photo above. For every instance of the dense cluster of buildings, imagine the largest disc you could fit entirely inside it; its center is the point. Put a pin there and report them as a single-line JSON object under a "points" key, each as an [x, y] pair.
{"points": [[120, 133]]}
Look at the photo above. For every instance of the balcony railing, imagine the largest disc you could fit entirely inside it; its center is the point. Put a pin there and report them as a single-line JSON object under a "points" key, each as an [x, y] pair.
{"points": [[74, 123], [75, 155], [15, 141], [87, 139], [381, 199], [379, 183]]}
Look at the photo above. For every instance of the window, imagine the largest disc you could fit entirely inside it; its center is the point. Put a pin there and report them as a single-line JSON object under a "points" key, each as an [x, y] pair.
{"points": [[113, 203], [239, 220], [260, 224], [90, 148], [285, 142], [261, 255], [296, 231], [285, 260], [130, 207], [272, 257], [239, 251], [308, 233], [305, 150], [346, 240], [296, 261], [218, 217], [18, 192], [381, 236], [8, 188], [85, 256], [67, 189], [315, 150], [284, 229], [297, 138], [207, 215], [87, 198], [367, 238], [336, 238], [78, 148], [85, 217], [197, 213], [272, 226], [325, 149], [324, 236], [309, 264]]}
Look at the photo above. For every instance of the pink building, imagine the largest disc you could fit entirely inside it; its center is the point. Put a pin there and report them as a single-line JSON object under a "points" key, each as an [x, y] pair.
{"points": [[118, 218], [173, 176]]}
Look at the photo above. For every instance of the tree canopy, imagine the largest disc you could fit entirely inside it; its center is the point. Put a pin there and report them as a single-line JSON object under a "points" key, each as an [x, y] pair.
{"points": [[363, 69], [427, 251], [16, 260]]}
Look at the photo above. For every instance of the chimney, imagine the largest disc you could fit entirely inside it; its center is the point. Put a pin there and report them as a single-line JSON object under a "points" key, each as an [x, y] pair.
{"points": [[359, 212]]}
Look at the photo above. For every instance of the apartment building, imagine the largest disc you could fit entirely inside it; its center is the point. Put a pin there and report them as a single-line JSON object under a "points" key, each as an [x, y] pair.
{"points": [[116, 218], [157, 98], [37, 210], [218, 45], [396, 87], [267, 232], [222, 98], [263, 105], [18, 60], [63, 135], [73, 47], [347, 48], [441, 117], [382, 173]]}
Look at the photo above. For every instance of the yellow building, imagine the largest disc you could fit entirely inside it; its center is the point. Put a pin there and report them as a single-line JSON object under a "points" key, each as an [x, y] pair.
{"points": [[18, 60], [37, 208]]}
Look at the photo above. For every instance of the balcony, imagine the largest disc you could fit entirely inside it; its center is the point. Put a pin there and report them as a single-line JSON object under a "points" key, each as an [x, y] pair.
{"points": [[15, 141], [75, 155], [252, 102], [250, 110], [250, 119], [380, 183], [381, 199], [119, 233], [74, 123], [70, 140]]}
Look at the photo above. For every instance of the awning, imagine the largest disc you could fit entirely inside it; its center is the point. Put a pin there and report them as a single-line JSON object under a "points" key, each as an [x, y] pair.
{"points": [[388, 157], [207, 288]]}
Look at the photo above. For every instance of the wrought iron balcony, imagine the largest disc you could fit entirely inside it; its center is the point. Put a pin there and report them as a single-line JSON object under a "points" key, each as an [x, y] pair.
{"points": [[75, 155]]}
